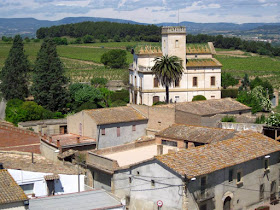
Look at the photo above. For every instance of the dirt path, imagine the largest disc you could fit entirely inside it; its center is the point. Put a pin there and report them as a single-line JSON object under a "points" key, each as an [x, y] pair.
{"points": [[81, 61]]}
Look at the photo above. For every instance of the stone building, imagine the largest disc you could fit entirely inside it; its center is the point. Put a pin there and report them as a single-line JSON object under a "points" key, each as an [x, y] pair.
{"points": [[109, 126], [238, 173], [202, 72]]}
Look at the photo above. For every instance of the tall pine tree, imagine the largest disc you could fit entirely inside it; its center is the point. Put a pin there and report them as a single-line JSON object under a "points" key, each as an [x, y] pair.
{"points": [[49, 81], [14, 75]]}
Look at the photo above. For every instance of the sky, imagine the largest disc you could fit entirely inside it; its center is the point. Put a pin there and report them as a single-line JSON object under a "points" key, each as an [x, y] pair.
{"points": [[147, 11]]}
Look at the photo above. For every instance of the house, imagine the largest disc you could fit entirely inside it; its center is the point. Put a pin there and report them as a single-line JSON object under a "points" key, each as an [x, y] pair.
{"points": [[202, 72], [200, 113], [94, 199], [17, 139], [54, 146], [49, 127], [11, 195], [38, 176], [102, 164], [237, 173], [109, 126], [187, 136]]}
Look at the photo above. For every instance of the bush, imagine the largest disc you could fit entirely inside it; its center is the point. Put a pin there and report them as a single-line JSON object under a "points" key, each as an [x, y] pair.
{"points": [[120, 95], [260, 120], [88, 39], [114, 58], [60, 41], [119, 103], [87, 105], [273, 120], [232, 93], [228, 119], [159, 103], [199, 98], [99, 82]]}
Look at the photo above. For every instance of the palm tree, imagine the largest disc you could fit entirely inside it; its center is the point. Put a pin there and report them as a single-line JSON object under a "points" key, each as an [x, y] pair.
{"points": [[168, 70]]}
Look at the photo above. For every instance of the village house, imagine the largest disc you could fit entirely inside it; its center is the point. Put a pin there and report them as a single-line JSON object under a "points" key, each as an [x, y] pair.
{"points": [[11, 195], [202, 72], [109, 126], [40, 177], [200, 113], [187, 136], [48, 127], [238, 173]]}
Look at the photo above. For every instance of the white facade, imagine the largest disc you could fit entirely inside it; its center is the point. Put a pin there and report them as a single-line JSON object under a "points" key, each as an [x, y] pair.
{"points": [[34, 182], [143, 88]]}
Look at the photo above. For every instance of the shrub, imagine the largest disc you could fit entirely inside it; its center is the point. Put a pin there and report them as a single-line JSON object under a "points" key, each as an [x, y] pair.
{"points": [[232, 93], [99, 82], [273, 120], [199, 98], [228, 119], [120, 95], [260, 120], [88, 39], [159, 103], [118, 103], [114, 58]]}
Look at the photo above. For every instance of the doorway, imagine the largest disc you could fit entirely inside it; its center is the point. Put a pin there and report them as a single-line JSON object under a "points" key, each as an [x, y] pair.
{"points": [[227, 203]]}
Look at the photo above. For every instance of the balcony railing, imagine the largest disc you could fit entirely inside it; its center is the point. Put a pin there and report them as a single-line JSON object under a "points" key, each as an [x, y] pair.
{"points": [[204, 194]]}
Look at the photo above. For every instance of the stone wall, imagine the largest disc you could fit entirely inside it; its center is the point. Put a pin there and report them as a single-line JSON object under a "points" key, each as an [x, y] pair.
{"points": [[242, 126]]}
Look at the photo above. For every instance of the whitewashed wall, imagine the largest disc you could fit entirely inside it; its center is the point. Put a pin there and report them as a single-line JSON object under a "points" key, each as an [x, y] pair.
{"points": [[66, 183]]}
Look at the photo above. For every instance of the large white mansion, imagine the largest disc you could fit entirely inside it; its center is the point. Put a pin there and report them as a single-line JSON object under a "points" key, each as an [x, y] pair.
{"points": [[202, 72]]}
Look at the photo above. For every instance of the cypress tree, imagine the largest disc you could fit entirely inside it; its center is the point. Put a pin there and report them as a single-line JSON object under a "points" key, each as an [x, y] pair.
{"points": [[49, 81], [14, 75]]}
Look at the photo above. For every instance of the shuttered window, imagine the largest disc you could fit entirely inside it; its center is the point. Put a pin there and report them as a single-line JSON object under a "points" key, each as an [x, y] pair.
{"points": [[118, 131]]}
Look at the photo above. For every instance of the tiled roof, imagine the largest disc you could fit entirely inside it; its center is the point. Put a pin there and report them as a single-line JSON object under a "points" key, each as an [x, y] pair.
{"points": [[148, 50], [211, 107], [196, 133], [10, 192], [51, 177], [203, 63], [245, 146], [195, 48], [115, 115]]}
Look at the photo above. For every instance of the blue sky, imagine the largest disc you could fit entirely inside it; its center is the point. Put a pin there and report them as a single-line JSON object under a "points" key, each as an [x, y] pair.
{"points": [[147, 11]]}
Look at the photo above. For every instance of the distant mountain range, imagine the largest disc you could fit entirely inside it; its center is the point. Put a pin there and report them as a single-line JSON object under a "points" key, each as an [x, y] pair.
{"points": [[29, 26]]}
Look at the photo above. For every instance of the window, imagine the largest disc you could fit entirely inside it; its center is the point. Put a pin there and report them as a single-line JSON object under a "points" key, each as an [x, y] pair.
{"points": [[118, 131], [155, 82], [133, 127], [273, 187], [169, 143], [152, 183], [130, 180], [140, 85], [103, 131], [27, 188], [195, 56], [203, 207], [135, 82], [177, 43], [230, 175], [213, 81], [131, 79], [239, 177], [177, 83], [197, 144], [266, 163], [261, 191], [194, 81]]}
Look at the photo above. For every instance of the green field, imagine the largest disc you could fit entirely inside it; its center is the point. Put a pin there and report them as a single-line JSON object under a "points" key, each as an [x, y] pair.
{"points": [[80, 61]]}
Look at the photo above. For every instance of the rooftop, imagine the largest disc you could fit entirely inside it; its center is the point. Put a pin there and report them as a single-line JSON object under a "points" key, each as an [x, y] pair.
{"points": [[203, 63], [16, 139], [100, 200], [196, 133], [69, 139], [136, 155], [195, 48], [245, 146], [10, 191], [211, 107], [43, 122], [23, 161], [148, 50], [115, 115]]}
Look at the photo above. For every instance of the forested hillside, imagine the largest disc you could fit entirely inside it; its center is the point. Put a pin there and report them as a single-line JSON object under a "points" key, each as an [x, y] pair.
{"points": [[101, 30]]}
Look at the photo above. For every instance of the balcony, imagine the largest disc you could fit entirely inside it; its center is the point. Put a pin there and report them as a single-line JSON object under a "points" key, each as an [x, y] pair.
{"points": [[204, 194], [144, 69]]}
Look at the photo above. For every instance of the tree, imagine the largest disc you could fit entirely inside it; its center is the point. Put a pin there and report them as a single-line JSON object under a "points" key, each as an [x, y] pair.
{"points": [[114, 58], [14, 75], [265, 84], [228, 80], [199, 98], [245, 83], [49, 82], [168, 70]]}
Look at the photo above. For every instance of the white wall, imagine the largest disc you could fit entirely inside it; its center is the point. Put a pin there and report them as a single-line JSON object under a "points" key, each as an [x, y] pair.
{"points": [[66, 183]]}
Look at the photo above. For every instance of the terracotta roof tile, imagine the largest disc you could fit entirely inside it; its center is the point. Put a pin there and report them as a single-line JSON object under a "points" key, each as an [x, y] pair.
{"points": [[195, 48], [10, 192], [211, 62], [115, 115], [245, 146], [196, 133]]}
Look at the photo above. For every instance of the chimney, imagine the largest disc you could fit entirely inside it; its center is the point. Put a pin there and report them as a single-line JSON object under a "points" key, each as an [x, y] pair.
{"points": [[58, 143], [50, 139], [159, 149], [78, 140]]}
